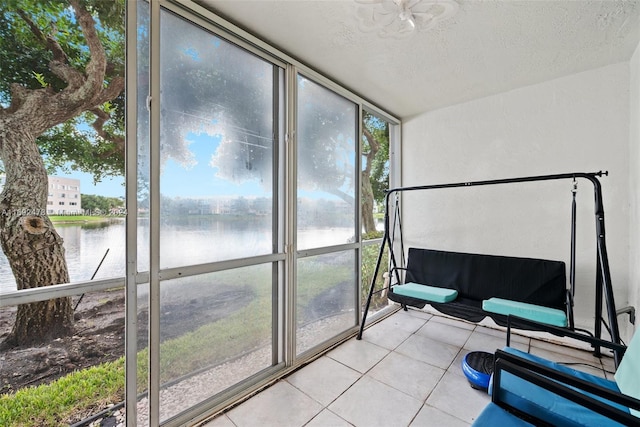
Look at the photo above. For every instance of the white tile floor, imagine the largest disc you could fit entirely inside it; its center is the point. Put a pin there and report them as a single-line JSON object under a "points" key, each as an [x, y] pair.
{"points": [[404, 372]]}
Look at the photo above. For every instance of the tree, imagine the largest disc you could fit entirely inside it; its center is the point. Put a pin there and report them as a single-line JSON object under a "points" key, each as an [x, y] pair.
{"points": [[375, 173], [63, 66], [94, 204]]}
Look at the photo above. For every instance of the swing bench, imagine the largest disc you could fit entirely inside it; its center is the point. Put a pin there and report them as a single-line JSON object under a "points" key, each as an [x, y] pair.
{"points": [[474, 286]]}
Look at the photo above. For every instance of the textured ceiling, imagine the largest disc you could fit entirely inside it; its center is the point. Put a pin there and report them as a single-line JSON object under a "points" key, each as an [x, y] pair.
{"points": [[486, 48]]}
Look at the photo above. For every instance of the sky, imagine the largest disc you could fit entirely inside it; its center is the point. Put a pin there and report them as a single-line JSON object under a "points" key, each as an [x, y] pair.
{"points": [[199, 180], [109, 187], [196, 181]]}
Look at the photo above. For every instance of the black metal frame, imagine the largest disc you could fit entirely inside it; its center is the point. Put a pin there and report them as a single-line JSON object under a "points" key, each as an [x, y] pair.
{"points": [[618, 349], [561, 384], [603, 275]]}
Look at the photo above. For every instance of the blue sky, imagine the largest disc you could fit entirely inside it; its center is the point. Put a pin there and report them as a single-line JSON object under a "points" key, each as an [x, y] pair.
{"points": [[109, 187], [198, 180], [195, 181]]}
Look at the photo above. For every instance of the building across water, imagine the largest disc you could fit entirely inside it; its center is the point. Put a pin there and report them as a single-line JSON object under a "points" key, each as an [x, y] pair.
{"points": [[64, 196]]}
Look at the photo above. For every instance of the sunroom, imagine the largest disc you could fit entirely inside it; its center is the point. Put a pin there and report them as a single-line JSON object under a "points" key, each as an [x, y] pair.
{"points": [[261, 137]]}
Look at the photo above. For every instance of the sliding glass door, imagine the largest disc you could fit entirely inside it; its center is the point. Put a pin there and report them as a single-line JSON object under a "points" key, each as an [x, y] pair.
{"points": [[214, 218], [326, 279]]}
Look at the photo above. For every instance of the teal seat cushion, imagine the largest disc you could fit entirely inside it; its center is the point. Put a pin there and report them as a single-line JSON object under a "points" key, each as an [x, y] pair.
{"points": [[547, 315], [549, 407], [628, 373], [425, 292]]}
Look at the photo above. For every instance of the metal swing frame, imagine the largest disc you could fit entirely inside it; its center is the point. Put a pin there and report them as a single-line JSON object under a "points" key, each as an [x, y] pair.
{"points": [[603, 274]]}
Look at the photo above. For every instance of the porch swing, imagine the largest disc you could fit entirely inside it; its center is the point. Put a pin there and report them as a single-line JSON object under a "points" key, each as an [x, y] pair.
{"points": [[474, 286]]}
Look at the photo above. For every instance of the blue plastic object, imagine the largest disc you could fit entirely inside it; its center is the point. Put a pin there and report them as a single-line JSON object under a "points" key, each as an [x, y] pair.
{"points": [[477, 366]]}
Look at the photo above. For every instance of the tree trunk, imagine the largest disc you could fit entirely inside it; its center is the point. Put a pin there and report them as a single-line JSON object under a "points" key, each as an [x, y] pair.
{"points": [[31, 244], [368, 221]]}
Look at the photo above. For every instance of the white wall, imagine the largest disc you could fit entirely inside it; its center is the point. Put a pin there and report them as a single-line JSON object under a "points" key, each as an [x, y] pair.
{"points": [[578, 123], [634, 179]]}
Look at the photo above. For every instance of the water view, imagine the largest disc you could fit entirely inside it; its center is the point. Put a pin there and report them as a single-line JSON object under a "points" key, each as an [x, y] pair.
{"points": [[187, 241], [85, 246]]}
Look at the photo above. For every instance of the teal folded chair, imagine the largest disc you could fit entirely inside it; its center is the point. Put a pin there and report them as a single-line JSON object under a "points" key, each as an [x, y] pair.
{"points": [[530, 390]]}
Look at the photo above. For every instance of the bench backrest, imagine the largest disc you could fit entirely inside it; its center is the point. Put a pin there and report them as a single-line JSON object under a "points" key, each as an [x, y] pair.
{"points": [[479, 276]]}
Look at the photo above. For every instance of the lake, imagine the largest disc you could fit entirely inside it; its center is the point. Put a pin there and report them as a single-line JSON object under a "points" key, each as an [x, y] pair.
{"points": [[185, 241]]}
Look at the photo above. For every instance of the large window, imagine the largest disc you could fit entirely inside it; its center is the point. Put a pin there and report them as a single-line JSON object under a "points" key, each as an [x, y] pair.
{"points": [[217, 219], [326, 214]]}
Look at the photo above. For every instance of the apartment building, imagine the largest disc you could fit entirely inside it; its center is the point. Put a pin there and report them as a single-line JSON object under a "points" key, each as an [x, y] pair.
{"points": [[64, 196]]}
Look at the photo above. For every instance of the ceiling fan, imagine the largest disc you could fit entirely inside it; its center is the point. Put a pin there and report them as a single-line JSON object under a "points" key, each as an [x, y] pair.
{"points": [[399, 18]]}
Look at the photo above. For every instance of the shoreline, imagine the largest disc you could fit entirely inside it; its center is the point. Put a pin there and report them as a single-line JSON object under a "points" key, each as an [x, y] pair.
{"points": [[82, 219]]}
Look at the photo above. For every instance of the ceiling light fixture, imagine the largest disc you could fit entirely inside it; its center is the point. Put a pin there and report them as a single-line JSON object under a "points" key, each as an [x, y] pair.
{"points": [[399, 18]]}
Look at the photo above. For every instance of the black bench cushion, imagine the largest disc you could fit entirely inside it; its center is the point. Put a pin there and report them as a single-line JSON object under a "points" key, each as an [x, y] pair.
{"points": [[477, 277]]}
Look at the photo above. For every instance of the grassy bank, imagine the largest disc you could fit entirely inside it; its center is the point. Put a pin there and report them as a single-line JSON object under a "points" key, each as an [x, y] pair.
{"points": [[55, 403], [68, 219]]}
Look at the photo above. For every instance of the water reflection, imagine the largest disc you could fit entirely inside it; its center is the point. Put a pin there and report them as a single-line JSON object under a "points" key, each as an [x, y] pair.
{"points": [[85, 245], [185, 241]]}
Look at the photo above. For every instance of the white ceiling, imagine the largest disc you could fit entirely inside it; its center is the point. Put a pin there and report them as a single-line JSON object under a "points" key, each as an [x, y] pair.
{"points": [[488, 47]]}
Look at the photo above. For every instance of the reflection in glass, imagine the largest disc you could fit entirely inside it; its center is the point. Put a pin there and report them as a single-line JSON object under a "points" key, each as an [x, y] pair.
{"points": [[142, 344], [217, 138], [142, 135], [215, 331], [142, 225], [326, 298], [326, 167]]}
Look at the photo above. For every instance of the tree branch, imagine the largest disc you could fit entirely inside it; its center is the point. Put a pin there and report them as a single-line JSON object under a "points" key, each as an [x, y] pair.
{"points": [[375, 146], [95, 69], [373, 142], [59, 65], [98, 125], [84, 91], [115, 87], [46, 40]]}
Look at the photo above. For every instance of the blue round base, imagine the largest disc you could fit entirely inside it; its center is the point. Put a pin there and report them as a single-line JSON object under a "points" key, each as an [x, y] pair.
{"points": [[477, 366]]}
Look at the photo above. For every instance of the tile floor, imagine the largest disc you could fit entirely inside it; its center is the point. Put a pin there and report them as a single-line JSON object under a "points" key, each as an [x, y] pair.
{"points": [[404, 372]]}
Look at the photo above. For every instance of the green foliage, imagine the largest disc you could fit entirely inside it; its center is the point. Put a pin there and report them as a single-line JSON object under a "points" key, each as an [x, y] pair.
{"points": [[369, 259], [380, 166], [99, 204], [372, 235], [66, 148], [25, 58], [40, 78]]}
